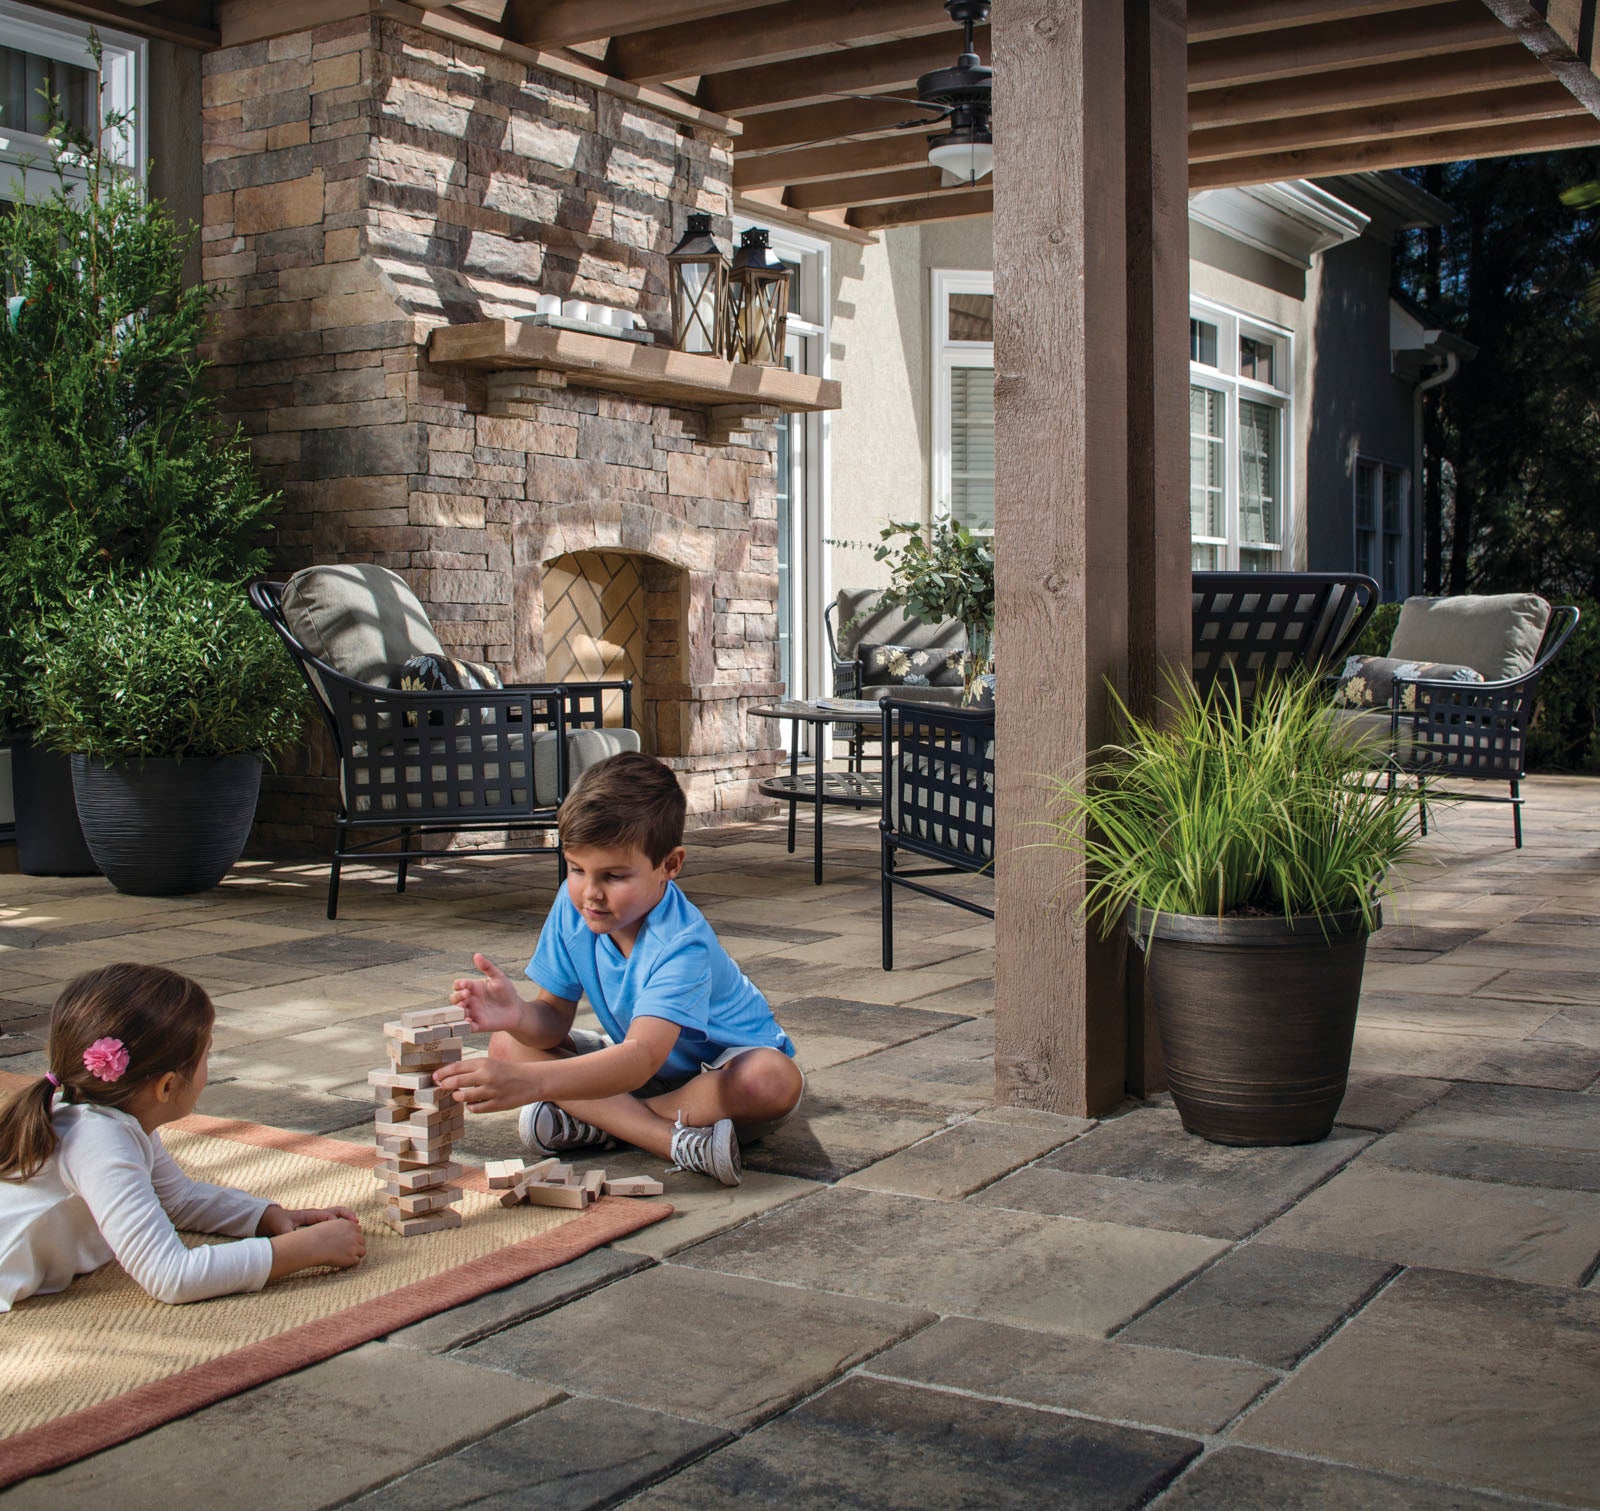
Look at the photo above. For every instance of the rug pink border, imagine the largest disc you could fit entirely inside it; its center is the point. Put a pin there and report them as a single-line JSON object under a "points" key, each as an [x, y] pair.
{"points": [[80, 1433]]}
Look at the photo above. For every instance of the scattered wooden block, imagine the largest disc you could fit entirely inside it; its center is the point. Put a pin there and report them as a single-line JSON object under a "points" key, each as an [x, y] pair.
{"points": [[634, 1185], [515, 1195], [401, 1080], [542, 1195], [557, 1175], [409, 1227], [504, 1173], [541, 1170], [426, 1017], [593, 1183]]}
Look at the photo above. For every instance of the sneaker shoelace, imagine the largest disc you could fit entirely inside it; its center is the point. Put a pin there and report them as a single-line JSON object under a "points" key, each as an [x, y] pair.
{"points": [[570, 1132]]}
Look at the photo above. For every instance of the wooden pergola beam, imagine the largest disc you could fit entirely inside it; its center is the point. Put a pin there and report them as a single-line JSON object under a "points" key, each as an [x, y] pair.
{"points": [[1300, 133], [1434, 31], [811, 165], [180, 25], [1399, 152], [1379, 85], [865, 70], [760, 37], [560, 23], [873, 189], [1213, 20], [908, 212], [813, 125]]}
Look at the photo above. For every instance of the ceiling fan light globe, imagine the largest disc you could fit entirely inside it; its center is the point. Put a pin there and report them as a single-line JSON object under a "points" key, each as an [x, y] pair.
{"points": [[964, 157]]}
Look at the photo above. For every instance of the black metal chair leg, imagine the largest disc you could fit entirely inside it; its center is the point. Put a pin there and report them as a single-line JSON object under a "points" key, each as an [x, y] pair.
{"points": [[333, 885], [400, 877], [794, 773], [1516, 813], [885, 868]]}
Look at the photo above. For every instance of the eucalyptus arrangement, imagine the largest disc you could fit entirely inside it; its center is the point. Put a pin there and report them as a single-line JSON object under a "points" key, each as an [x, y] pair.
{"points": [[945, 572]]}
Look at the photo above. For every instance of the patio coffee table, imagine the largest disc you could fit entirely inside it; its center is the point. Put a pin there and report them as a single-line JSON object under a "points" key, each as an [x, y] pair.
{"points": [[847, 789]]}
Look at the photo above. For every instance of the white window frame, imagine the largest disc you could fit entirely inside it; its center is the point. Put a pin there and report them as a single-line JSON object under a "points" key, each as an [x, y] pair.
{"points": [[24, 155], [1226, 379], [948, 354], [1400, 586], [806, 334]]}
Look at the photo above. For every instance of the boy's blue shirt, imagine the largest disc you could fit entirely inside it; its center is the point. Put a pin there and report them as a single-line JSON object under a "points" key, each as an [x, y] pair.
{"points": [[677, 971]]}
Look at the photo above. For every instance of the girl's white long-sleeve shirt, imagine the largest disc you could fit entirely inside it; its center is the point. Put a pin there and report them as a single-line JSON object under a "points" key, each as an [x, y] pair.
{"points": [[111, 1191]]}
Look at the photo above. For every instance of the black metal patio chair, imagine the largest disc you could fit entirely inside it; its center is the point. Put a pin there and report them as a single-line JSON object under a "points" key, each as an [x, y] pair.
{"points": [[938, 802], [414, 763]]}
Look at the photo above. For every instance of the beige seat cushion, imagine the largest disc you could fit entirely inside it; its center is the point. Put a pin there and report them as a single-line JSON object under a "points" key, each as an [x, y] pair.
{"points": [[364, 621], [585, 747], [1496, 634]]}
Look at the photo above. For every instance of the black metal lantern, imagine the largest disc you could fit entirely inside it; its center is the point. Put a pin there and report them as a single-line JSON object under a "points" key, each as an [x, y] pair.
{"points": [[699, 290], [758, 302]]}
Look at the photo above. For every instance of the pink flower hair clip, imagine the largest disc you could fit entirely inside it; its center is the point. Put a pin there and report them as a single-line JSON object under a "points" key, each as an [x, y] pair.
{"points": [[106, 1058]]}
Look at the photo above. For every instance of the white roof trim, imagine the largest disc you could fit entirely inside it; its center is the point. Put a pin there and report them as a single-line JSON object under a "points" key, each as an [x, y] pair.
{"points": [[1290, 221]]}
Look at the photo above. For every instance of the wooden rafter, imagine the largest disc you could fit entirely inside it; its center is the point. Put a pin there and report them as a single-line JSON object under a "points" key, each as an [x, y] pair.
{"points": [[812, 165], [868, 70], [1214, 20], [1370, 88], [186, 24], [1434, 31], [1299, 133], [778, 35], [873, 189], [813, 125], [1399, 152], [560, 23], [908, 212]]}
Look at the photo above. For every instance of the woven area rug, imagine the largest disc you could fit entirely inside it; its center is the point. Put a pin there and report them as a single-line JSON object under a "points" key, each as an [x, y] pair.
{"points": [[101, 1362]]}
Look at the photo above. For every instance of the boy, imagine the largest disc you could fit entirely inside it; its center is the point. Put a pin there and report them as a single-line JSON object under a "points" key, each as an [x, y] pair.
{"points": [[695, 1062]]}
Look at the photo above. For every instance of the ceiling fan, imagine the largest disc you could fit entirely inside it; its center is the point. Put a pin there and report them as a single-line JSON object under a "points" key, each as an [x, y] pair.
{"points": [[958, 96]]}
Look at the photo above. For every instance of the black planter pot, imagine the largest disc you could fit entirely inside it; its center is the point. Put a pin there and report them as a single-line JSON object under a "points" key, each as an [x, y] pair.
{"points": [[1256, 1017], [49, 837], [162, 826]]}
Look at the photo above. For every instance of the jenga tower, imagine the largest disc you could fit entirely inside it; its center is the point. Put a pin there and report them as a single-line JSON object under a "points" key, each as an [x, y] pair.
{"points": [[417, 1122]]}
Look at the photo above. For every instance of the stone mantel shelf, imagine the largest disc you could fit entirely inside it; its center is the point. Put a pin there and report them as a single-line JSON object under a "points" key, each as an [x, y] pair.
{"points": [[649, 372]]}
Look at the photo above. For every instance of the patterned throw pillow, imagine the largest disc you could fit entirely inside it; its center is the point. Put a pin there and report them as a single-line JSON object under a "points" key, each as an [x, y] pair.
{"points": [[442, 674], [900, 665], [1368, 681]]}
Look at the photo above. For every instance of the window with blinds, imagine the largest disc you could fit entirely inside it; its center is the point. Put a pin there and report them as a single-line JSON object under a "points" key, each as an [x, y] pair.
{"points": [[26, 79], [972, 447], [1380, 518]]}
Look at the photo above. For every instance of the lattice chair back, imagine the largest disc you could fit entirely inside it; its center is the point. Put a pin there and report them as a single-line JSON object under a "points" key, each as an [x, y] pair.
{"points": [[941, 772], [1251, 625]]}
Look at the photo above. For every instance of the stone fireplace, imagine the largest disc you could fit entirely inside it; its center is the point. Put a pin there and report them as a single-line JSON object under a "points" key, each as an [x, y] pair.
{"points": [[369, 183]]}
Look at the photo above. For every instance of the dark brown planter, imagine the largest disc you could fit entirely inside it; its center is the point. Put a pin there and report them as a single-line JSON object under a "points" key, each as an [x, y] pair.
{"points": [[1256, 1017]]}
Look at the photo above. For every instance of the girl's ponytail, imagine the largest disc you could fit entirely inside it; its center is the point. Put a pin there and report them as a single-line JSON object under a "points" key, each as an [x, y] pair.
{"points": [[27, 1137]]}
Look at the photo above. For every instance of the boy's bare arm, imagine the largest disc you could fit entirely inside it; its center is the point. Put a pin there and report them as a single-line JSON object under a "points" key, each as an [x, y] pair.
{"points": [[494, 1005], [498, 1085]]}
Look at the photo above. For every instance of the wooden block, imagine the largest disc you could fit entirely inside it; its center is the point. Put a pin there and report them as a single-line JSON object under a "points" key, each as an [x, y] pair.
{"points": [[426, 1017], [409, 1227], [399, 1033], [434, 1096], [423, 1056], [434, 1199], [542, 1195], [428, 1119], [418, 1178], [557, 1175], [400, 1080], [593, 1183], [541, 1170], [515, 1195], [387, 1116], [634, 1185], [504, 1173]]}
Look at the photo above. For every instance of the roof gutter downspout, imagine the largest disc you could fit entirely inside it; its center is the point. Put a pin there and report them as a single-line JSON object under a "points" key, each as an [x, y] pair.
{"points": [[1452, 365]]}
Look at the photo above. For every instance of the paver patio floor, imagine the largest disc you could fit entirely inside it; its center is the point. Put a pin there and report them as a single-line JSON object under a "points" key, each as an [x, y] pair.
{"points": [[918, 1298]]}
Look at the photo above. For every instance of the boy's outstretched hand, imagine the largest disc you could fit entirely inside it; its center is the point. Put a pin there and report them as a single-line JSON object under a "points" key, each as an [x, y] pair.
{"points": [[485, 1085], [492, 1005]]}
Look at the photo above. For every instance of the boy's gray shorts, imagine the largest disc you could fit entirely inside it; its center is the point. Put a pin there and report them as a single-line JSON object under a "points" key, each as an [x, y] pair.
{"points": [[584, 1041]]}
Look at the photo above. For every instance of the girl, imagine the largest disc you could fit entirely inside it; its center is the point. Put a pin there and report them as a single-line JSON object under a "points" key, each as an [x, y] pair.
{"points": [[84, 1177]]}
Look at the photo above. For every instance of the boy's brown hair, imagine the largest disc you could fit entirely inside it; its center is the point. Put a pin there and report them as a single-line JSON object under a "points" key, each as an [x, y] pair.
{"points": [[625, 800]]}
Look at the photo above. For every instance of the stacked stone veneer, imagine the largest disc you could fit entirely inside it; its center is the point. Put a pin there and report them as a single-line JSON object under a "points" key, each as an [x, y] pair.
{"points": [[367, 182]]}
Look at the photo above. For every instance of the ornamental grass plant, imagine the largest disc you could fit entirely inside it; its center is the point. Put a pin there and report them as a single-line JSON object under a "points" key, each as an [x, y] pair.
{"points": [[1215, 809], [163, 664]]}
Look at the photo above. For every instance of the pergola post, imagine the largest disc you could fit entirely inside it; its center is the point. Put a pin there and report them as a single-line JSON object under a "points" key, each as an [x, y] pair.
{"points": [[1091, 523]]}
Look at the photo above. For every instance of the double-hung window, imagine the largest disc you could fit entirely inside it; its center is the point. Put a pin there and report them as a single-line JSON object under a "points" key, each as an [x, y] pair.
{"points": [[1239, 382], [1382, 547], [42, 53], [963, 398]]}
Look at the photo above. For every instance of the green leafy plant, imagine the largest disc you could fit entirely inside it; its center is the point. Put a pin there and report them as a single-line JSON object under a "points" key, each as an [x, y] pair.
{"points": [[168, 663], [1206, 810], [113, 456]]}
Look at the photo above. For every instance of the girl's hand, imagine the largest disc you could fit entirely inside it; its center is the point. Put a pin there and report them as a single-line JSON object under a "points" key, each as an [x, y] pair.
{"points": [[492, 1005], [336, 1242], [486, 1085], [276, 1219]]}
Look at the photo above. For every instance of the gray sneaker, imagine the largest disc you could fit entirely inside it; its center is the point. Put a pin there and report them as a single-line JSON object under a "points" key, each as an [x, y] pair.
{"points": [[712, 1151], [546, 1129]]}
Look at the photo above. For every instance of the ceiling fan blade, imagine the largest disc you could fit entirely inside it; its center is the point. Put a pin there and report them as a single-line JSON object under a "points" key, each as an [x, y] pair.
{"points": [[893, 99]]}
